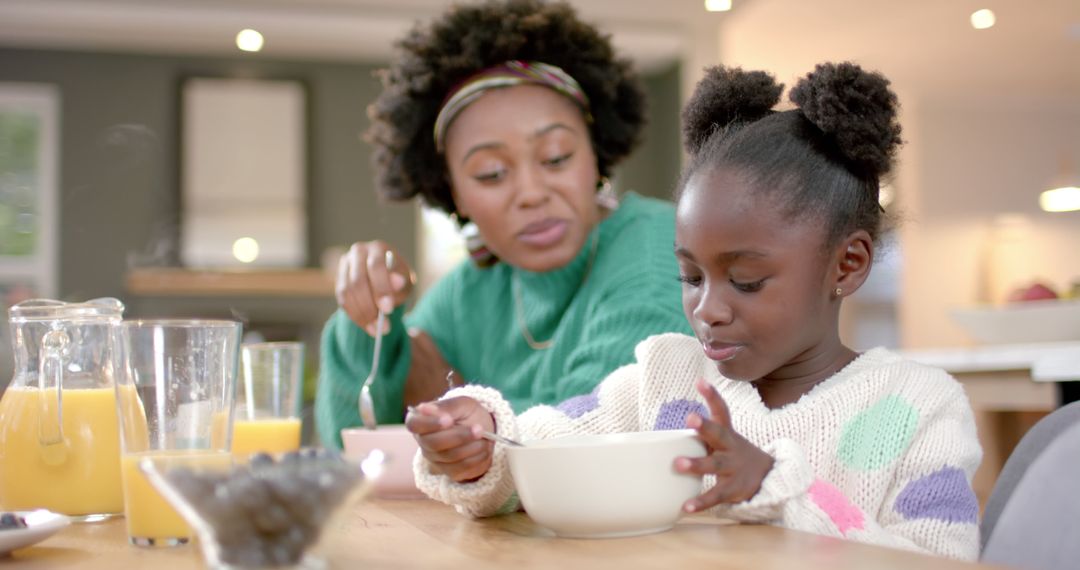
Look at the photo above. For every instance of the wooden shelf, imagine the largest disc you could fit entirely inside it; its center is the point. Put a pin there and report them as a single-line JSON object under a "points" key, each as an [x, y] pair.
{"points": [[172, 281]]}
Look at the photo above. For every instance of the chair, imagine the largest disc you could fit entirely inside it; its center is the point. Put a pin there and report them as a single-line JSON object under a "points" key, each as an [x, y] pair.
{"points": [[1036, 528], [1031, 445]]}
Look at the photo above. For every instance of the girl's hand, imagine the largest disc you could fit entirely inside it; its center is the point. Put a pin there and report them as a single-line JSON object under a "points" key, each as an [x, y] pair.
{"points": [[371, 276], [448, 432], [739, 465]]}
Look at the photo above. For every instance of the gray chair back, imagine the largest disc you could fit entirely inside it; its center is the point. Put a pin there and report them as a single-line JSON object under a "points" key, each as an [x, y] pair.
{"points": [[1031, 446], [1036, 529]]}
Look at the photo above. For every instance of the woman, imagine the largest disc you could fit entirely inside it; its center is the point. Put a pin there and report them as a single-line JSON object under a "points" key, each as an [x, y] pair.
{"points": [[508, 115]]}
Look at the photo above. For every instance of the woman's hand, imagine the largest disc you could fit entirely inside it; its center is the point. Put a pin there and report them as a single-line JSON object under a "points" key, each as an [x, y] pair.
{"points": [[739, 465], [371, 276], [448, 432]]}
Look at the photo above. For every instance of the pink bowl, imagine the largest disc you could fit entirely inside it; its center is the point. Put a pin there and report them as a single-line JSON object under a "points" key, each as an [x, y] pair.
{"points": [[399, 446]]}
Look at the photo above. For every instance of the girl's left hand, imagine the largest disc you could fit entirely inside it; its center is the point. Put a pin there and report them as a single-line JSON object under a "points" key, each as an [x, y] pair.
{"points": [[739, 465]]}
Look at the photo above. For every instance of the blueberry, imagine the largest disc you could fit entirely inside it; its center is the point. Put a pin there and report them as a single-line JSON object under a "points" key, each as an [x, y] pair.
{"points": [[272, 518], [299, 498], [291, 459], [249, 492], [297, 539], [10, 521], [281, 554], [245, 553], [260, 461]]}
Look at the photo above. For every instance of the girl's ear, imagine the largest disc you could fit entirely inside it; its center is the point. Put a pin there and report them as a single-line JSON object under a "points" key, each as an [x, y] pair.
{"points": [[852, 262]]}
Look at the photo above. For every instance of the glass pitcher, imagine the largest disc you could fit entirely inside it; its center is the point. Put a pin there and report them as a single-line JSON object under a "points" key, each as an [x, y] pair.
{"points": [[59, 436]]}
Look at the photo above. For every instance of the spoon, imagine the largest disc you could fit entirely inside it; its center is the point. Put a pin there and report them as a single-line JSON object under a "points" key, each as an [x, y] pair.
{"points": [[367, 406], [490, 436], [500, 439]]}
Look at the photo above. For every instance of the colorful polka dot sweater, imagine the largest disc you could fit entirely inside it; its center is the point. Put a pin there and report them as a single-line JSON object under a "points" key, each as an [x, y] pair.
{"points": [[882, 452]]}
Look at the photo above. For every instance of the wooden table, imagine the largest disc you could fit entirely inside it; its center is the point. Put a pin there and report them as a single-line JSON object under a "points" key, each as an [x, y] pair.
{"points": [[425, 534]]}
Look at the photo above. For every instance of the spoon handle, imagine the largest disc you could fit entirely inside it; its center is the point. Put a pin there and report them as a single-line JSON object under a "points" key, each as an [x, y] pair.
{"points": [[500, 439], [490, 436]]}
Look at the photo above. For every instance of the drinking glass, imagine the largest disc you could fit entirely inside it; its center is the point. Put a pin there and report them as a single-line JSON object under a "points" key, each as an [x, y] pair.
{"points": [[184, 373], [268, 398]]}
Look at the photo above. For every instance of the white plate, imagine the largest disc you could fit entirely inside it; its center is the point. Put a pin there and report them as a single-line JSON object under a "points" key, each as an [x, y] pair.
{"points": [[40, 524]]}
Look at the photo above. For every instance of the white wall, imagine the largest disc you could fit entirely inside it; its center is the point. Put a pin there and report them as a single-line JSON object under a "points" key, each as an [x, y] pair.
{"points": [[975, 161]]}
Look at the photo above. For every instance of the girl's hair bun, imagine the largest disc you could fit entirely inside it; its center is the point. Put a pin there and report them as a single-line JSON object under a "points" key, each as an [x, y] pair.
{"points": [[855, 109], [725, 96]]}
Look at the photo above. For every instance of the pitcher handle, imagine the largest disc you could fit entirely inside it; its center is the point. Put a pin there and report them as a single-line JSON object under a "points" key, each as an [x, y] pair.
{"points": [[51, 373]]}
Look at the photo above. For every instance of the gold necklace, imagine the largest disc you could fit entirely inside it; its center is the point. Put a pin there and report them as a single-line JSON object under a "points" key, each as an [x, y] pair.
{"points": [[519, 305]]}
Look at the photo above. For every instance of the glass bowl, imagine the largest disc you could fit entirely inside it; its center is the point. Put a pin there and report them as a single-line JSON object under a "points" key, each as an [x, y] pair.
{"points": [[270, 513]]}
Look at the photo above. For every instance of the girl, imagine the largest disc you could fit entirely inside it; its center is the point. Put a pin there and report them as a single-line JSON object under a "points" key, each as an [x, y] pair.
{"points": [[775, 225]]}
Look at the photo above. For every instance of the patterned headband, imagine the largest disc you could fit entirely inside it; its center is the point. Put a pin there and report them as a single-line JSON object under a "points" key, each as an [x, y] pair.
{"points": [[513, 72]]}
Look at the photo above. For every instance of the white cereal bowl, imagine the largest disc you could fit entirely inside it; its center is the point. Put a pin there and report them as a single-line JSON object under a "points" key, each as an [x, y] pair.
{"points": [[399, 445], [606, 486]]}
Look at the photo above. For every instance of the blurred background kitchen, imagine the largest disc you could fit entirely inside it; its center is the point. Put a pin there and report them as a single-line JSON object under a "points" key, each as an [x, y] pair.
{"points": [[204, 158]]}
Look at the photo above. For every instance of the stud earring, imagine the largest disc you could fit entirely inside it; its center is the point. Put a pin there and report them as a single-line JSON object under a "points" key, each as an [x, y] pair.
{"points": [[839, 291]]}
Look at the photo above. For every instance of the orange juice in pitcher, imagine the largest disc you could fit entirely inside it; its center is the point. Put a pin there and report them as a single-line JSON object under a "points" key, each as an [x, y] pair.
{"points": [[41, 476], [59, 435]]}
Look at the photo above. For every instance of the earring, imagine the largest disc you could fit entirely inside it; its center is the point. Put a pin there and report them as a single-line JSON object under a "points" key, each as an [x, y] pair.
{"points": [[478, 250], [606, 196], [839, 292]]}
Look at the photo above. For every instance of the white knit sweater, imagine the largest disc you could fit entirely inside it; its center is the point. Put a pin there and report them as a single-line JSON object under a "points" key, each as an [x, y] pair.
{"points": [[882, 452]]}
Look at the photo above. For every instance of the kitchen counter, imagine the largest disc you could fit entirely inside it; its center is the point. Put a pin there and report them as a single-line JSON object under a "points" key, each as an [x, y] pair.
{"points": [[1044, 362]]}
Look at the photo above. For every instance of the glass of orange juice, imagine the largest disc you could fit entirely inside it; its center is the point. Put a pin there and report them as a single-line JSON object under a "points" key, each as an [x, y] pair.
{"points": [[268, 398], [184, 373]]}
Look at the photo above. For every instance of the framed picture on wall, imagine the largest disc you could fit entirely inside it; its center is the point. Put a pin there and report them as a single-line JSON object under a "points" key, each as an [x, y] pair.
{"points": [[243, 172], [29, 146]]}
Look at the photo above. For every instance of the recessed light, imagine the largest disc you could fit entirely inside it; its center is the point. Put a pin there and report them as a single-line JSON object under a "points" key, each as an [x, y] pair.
{"points": [[718, 5], [1064, 199], [249, 40], [983, 19]]}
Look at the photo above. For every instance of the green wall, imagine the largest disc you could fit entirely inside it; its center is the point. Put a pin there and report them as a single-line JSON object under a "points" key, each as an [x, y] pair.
{"points": [[119, 159], [654, 167], [119, 167]]}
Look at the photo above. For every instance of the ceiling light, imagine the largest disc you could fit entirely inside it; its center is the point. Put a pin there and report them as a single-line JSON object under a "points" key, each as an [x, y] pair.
{"points": [[1064, 192], [249, 40], [983, 19], [1064, 199], [718, 5]]}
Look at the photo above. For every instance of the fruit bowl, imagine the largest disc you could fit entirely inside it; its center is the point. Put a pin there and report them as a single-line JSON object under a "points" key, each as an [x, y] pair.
{"points": [[1053, 320], [269, 513]]}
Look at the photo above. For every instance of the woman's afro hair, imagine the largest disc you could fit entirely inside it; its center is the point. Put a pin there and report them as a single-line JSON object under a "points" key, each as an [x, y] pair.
{"points": [[435, 58]]}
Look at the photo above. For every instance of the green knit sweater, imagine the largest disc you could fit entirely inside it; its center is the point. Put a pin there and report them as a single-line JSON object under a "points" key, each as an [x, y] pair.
{"points": [[595, 316]]}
